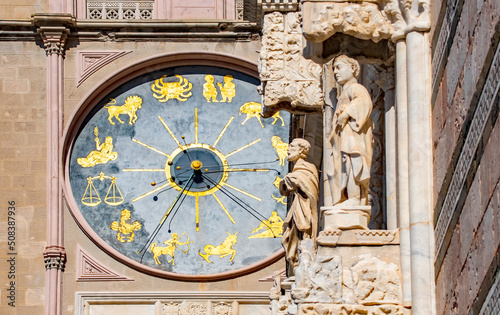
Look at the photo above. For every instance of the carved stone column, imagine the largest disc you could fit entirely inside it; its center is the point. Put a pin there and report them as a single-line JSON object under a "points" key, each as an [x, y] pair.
{"points": [[420, 155], [402, 168], [54, 34]]}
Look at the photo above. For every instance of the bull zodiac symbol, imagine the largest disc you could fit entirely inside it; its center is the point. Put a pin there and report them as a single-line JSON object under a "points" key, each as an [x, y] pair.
{"points": [[164, 91], [222, 250], [253, 109]]}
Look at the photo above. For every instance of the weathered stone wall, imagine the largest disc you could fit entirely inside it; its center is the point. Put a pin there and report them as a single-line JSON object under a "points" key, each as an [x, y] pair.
{"points": [[23, 174], [466, 174], [23, 9]]}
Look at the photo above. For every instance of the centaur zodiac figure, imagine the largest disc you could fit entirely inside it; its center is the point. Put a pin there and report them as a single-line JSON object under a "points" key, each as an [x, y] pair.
{"points": [[172, 244], [222, 250]]}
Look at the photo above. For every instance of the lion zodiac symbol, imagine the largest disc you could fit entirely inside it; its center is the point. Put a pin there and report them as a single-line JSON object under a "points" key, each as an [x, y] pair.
{"points": [[130, 107], [164, 91]]}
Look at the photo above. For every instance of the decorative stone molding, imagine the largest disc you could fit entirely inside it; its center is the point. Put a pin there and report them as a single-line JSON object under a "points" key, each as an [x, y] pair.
{"points": [[442, 47], [332, 309], [450, 209], [330, 237], [279, 5], [54, 257], [89, 269], [175, 303], [287, 77], [375, 237], [120, 10], [89, 62], [492, 303], [362, 20]]}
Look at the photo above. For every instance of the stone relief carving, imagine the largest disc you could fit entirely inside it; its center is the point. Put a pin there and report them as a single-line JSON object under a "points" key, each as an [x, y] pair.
{"points": [[317, 278], [371, 281], [363, 20], [332, 309], [392, 13], [199, 308], [301, 221], [285, 74], [170, 309]]}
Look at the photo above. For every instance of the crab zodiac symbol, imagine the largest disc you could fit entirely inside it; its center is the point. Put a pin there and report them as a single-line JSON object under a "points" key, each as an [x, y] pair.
{"points": [[164, 91]]}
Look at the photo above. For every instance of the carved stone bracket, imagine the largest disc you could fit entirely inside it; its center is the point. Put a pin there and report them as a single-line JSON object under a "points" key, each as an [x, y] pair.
{"points": [[54, 257]]}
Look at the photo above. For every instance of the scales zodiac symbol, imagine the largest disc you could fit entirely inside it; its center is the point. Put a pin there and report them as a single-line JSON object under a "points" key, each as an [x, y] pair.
{"points": [[91, 197]]}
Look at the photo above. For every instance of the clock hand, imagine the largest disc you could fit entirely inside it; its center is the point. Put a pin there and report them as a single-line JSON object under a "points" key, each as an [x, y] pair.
{"points": [[240, 202], [175, 212], [158, 227]]}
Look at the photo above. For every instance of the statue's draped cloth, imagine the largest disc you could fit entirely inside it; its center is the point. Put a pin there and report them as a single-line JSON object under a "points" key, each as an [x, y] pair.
{"points": [[352, 147], [302, 219]]}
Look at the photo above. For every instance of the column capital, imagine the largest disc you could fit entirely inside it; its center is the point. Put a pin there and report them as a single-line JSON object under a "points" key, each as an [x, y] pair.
{"points": [[54, 30], [54, 257], [417, 15], [54, 38]]}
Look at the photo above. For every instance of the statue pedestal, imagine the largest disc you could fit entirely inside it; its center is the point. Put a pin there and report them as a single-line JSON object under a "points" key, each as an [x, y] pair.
{"points": [[340, 217]]}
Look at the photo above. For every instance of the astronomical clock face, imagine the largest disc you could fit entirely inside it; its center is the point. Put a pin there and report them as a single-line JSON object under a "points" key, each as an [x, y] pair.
{"points": [[175, 170]]}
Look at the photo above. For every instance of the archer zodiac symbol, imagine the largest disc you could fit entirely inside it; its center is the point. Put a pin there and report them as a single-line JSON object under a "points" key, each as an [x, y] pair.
{"points": [[222, 250], [253, 109], [124, 228], [91, 197], [273, 227], [103, 154], [164, 91], [172, 244], [130, 107]]}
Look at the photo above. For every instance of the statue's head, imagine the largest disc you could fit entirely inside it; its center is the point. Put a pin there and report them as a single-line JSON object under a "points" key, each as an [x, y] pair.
{"points": [[298, 149], [209, 78], [344, 66]]}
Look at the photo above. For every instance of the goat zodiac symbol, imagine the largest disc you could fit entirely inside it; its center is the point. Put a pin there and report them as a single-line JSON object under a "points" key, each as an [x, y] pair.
{"points": [[222, 250]]}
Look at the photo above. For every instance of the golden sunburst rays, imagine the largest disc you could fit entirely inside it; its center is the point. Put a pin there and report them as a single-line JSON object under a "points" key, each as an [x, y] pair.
{"points": [[216, 186]]}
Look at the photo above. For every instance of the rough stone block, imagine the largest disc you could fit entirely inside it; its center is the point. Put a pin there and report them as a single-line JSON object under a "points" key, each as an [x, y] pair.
{"points": [[24, 127]]}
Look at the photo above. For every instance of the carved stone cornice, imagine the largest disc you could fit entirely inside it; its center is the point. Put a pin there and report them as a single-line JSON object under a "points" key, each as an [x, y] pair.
{"points": [[54, 257]]}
